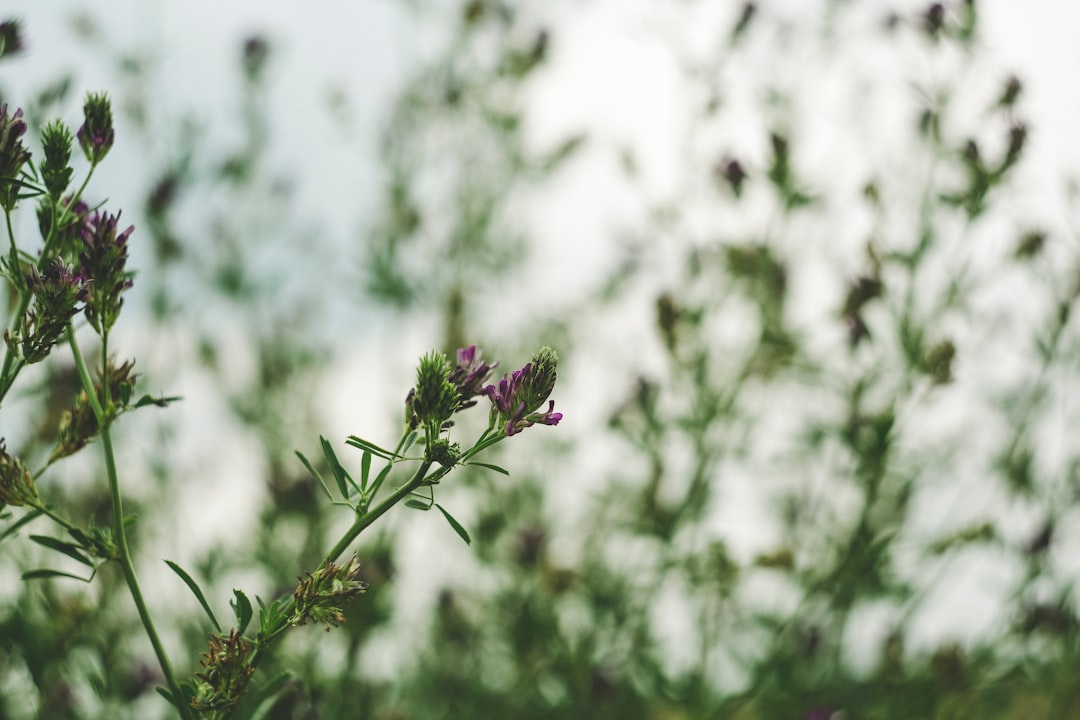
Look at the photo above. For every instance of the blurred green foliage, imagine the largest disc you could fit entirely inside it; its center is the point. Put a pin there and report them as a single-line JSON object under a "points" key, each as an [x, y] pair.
{"points": [[642, 604]]}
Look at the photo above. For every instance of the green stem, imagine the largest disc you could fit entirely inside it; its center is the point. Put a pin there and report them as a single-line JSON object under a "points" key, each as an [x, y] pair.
{"points": [[119, 531], [365, 520], [12, 367]]}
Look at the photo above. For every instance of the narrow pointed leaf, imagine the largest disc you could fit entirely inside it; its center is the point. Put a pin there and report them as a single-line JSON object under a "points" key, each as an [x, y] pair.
{"points": [[342, 477], [379, 479], [458, 527], [157, 401], [365, 469], [42, 574], [417, 504], [315, 474], [194, 587], [260, 701], [374, 449], [489, 466], [66, 548], [165, 693], [14, 528], [242, 608]]}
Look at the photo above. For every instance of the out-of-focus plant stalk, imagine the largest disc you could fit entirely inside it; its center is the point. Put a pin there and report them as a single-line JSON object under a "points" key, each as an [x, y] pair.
{"points": [[116, 500]]}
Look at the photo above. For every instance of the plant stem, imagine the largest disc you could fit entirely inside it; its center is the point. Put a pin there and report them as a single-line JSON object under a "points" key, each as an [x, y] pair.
{"points": [[119, 531], [365, 520]]}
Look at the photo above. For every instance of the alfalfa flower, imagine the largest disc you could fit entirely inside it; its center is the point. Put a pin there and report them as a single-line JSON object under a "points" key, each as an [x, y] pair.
{"points": [[56, 142], [517, 399], [319, 597], [96, 134], [104, 255], [435, 398], [470, 375], [57, 292], [65, 239], [226, 670], [16, 483], [13, 155], [79, 425]]}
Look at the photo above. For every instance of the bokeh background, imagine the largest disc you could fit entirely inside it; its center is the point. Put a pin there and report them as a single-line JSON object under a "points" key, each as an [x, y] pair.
{"points": [[810, 268]]}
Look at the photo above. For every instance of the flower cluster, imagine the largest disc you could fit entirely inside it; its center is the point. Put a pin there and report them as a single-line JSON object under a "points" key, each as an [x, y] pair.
{"points": [[79, 425], [517, 399], [321, 594], [56, 171], [434, 399], [103, 258], [13, 155], [16, 483], [70, 219], [96, 134], [470, 375], [226, 671], [57, 293]]}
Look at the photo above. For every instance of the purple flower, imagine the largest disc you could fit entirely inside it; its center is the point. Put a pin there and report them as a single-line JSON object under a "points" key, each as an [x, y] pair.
{"points": [[517, 399], [96, 134], [12, 155], [470, 374], [103, 259]]}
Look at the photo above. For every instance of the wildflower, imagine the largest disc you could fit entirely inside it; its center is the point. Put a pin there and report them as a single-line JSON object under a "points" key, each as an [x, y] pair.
{"points": [[435, 398], [226, 671], [56, 294], [96, 134], [16, 483], [469, 375], [79, 425], [56, 141], [13, 155], [321, 594], [516, 401], [72, 218], [103, 258]]}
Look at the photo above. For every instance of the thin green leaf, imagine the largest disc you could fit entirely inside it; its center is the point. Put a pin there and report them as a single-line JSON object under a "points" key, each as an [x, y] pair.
{"points": [[157, 401], [417, 504], [315, 474], [380, 477], [165, 693], [242, 608], [14, 528], [458, 527], [410, 439], [365, 469], [264, 698], [342, 477], [194, 587], [489, 466], [271, 618], [370, 447], [42, 574], [72, 551]]}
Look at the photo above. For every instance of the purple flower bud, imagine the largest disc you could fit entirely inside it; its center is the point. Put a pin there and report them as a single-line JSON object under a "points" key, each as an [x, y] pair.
{"points": [[470, 374], [517, 399], [96, 134], [103, 259], [12, 155]]}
